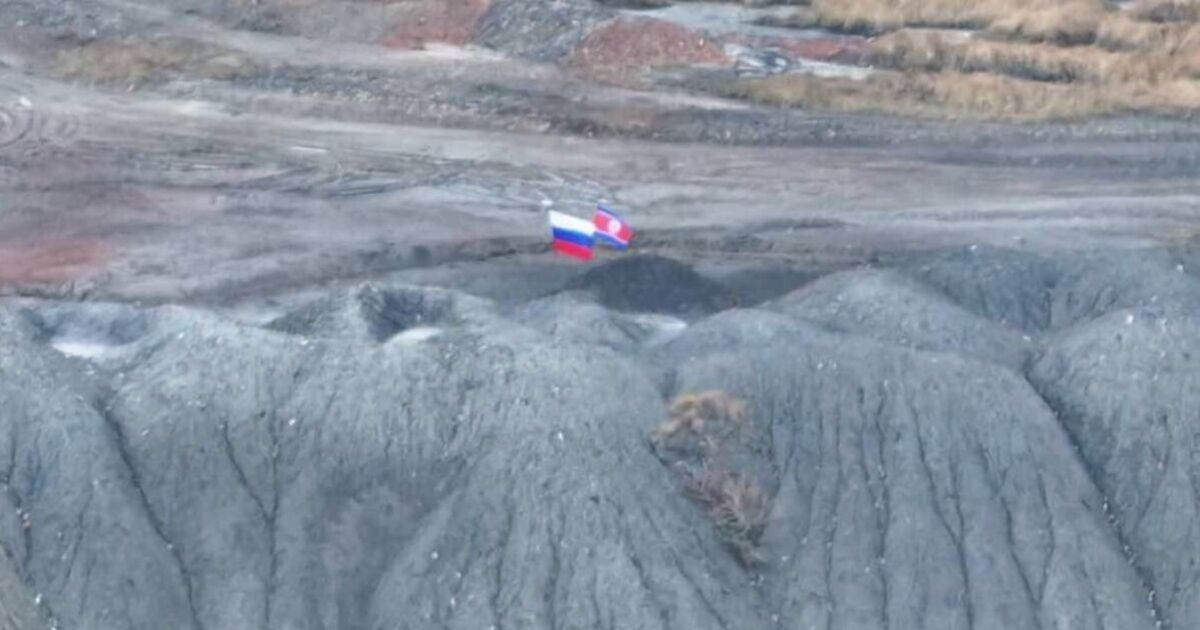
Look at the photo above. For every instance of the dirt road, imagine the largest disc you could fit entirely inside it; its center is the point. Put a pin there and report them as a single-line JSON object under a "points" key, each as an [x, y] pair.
{"points": [[324, 161]]}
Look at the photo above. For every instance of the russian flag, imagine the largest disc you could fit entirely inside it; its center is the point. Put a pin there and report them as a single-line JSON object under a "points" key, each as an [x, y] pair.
{"points": [[611, 229], [573, 236]]}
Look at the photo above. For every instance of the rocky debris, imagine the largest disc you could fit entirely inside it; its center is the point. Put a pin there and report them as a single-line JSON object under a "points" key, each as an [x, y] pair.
{"points": [[758, 62], [624, 46], [1127, 389], [546, 30]]}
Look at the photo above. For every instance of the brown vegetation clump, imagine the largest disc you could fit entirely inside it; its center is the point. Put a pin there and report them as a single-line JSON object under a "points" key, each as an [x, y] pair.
{"points": [[702, 423], [689, 413], [737, 506], [978, 96]]}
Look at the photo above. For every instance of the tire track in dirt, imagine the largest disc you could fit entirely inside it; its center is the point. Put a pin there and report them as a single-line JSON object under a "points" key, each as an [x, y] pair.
{"points": [[22, 121], [15, 125]]}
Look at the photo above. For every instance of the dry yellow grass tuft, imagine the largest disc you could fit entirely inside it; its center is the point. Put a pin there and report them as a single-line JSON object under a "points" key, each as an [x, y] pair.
{"points": [[879, 16], [1023, 59], [1166, 10], [134, 62], [1107, 29], [1068, 24], [936, 52], [1124, 33], [977, 96]]}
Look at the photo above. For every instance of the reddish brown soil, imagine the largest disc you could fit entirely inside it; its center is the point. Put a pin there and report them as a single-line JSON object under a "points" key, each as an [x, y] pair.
{"points": [[49, 261], [845, 49], [624, 45], [446, 21]]}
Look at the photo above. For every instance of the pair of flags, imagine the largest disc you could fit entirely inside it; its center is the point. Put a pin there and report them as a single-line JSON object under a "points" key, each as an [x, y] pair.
{"points": [[577, 237]]}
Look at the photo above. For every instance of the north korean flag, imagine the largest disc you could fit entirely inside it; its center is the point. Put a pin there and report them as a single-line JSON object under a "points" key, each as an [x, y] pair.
{"points": [[611, 229]]}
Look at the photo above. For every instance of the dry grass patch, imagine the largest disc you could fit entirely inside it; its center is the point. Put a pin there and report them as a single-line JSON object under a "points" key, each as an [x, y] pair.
{"points": [[976, 96], [1069, 24], [134, 62], [1026, 60], [1166, 10], [1105, 28], [879, 16], [934, 52], [1123, 33]]}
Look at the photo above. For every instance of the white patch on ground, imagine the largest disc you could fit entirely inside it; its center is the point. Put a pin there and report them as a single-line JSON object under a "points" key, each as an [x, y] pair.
{"points": [[663, 328], [85, 349], [450, 51], [416, 335], [827, 70], [195, 109], [303, 149]]}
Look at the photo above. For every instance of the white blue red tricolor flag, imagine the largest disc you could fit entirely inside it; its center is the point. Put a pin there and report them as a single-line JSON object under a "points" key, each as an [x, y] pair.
{"points": [[611, 229], [573, 236]]}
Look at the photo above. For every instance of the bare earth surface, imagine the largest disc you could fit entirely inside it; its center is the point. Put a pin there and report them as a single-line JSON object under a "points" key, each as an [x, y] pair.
{"points": [[282, 344], [332, 160]]}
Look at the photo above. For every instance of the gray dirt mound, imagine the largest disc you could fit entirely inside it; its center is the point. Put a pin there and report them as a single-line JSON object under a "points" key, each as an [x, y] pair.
{"points": [[73, 517], [915, 490], [890, 307], [1037, 293], [400, 457], [568, 316], [379, 314], [241, 477], [728, 331], [653, 284], [1127, 387]]}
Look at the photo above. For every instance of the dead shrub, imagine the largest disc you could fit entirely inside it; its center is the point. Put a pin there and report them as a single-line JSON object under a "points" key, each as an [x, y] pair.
{"points": [[689, 413], [737, 506]]}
